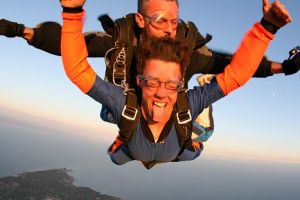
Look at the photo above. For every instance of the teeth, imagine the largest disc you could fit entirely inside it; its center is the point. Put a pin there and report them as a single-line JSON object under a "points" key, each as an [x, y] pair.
{"points": [[159, 104]]}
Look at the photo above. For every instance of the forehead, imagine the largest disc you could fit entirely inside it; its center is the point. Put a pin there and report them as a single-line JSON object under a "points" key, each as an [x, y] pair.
{"points": [[159, 7], [162, 70]]}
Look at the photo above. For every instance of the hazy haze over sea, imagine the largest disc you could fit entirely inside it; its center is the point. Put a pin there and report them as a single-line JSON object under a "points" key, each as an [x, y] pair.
{"points": [[27, 145]]}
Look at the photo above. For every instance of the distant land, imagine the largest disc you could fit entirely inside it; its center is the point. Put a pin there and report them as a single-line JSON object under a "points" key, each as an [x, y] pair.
{"points": [[54, 184]]}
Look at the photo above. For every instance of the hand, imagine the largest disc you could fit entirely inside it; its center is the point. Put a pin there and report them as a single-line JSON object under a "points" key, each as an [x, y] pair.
{"points": [[11, 29], [205, 79], [276, 13], [292, 65], [72, 3], [196, 145]]}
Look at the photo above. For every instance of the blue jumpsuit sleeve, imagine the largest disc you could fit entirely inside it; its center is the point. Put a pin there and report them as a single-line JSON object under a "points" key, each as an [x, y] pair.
{"points": [[201, 97], [110, 96]]}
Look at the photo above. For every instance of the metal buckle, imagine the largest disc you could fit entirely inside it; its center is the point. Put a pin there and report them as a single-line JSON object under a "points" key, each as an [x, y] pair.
{"points": [[184, 117], [119, 68], [294, 51], [118, 77], [129, 113]]}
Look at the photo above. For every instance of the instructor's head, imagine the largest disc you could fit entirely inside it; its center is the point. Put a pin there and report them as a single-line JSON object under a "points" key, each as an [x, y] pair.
{"points": [[158, 18], [161, 63]]}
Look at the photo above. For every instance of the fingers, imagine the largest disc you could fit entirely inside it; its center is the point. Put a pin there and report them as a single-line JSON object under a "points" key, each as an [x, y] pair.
{"points": [[205, 79], [266, 3], [276, 13], [72, 3], [279, 10]]}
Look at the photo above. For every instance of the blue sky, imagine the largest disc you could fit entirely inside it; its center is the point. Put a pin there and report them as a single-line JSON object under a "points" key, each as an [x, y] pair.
{"points": [[259, 120]]}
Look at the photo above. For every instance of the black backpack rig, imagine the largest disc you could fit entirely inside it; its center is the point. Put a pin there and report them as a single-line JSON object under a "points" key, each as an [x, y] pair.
{"points": [[120, 63]]}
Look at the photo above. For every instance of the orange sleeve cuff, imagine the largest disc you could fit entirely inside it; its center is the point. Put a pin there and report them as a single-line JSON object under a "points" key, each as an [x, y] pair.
{"points": [[74, 52], [246, 59]]}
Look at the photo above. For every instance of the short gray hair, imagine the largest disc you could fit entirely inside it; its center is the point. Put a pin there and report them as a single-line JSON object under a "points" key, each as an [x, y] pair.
{"points": [[141, 4]]}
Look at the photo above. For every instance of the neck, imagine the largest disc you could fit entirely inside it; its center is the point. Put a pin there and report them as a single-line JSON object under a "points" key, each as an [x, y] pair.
{"points": [[155, 127]]}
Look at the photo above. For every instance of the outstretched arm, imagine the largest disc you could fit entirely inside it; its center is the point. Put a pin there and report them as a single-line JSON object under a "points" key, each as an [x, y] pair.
{"points": [[74, 52], [253, 47], [46, 36], [207, 61], [73, 48], [97, 42], [79, 71]]}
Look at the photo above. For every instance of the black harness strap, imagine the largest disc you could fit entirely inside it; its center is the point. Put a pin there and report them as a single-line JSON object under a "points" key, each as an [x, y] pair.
{"points": [[118, 72], [191, 37], [124, 30], [183, 121], [108, 24], [121, 55], [122, 58], [130, 117], [180, 32], [187, 33], [150, 164]]}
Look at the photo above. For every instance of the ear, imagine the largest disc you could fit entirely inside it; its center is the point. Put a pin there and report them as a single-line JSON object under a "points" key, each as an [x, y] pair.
{"points": [[140, 20], [138, 82]]}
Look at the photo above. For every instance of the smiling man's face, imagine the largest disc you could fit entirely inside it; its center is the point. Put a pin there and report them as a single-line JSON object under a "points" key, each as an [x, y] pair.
{"points": [[159, 18], [158, 102]]}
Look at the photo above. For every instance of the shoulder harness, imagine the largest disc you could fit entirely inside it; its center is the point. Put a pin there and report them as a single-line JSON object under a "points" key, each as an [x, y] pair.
{"points": [[181, 116], [119, 58], [118, 61], [126, 34]]}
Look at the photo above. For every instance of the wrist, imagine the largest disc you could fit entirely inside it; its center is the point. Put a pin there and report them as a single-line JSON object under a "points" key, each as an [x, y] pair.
{"points": [[286, 67], [269, 26], [28, 34], [276, 68], [20, 30], [72, 10]]}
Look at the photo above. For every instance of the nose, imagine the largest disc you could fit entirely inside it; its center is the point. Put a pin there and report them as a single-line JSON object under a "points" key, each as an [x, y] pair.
{"points": [[169, 29], [161, 91]]}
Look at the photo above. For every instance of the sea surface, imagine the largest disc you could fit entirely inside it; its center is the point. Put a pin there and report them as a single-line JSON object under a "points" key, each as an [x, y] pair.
{"points": [[27, 146]]}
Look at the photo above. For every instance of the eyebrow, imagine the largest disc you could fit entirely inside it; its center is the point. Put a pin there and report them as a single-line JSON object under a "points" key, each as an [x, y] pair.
{"points": [[156, 78], [160, 16]]}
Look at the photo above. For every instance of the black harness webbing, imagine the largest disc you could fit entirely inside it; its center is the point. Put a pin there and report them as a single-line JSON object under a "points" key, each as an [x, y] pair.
{"points": [[180, 32], [183, 121], [108, 24], [190, 37], [181, 116], [130, 117], [121, 57], [118, 71]]}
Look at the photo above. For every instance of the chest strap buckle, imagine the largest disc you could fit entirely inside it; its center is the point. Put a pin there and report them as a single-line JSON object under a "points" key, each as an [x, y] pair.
{"points": [[184, 117], [129, 112]]}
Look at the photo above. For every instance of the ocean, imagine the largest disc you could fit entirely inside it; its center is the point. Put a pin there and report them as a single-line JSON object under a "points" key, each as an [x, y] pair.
{"points": [[28, 146]]}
